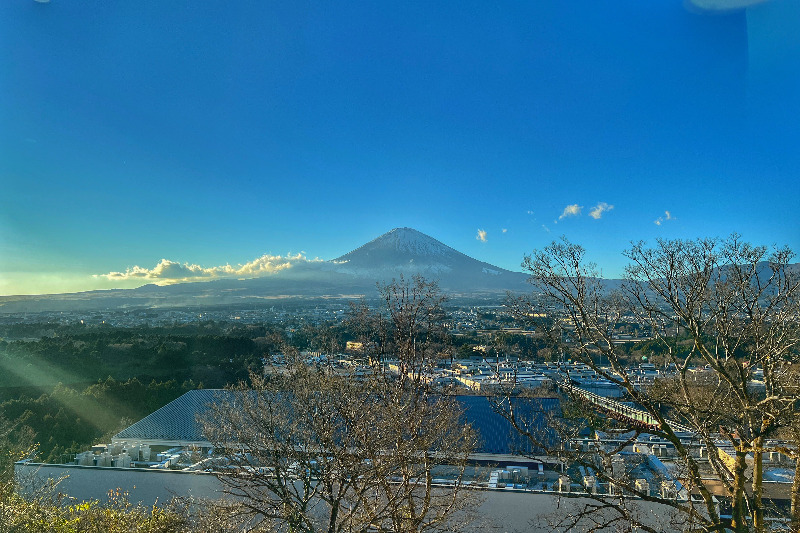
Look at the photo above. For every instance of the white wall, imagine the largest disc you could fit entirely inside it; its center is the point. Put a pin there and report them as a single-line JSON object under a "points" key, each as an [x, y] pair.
{"points": [[144, 486]]}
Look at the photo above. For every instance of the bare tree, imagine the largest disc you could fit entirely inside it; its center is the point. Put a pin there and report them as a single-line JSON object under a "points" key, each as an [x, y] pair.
{"points": [[409, 328], [316, 449], [735, 307]]}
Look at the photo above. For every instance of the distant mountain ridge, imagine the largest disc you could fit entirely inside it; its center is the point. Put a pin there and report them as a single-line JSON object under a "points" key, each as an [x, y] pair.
{"points": [[401, 251]]}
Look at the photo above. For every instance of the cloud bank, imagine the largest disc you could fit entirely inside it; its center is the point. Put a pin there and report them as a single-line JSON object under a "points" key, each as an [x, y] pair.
{"points": [[167, 272]]}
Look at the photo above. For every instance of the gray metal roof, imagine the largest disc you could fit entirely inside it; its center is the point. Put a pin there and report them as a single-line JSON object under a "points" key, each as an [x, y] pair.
{"points": [[177, 422]]}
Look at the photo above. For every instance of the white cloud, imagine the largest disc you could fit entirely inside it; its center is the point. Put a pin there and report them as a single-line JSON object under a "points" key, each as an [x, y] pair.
{"points": [[167, 272], [545, 228], [598, 210], [571, 211], [530, 212], [481, 236], [660, 220], [505, 230]]}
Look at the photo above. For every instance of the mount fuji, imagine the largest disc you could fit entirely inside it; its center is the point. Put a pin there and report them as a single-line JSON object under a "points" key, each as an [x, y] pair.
{"points": [[401, 251], [409, 252]]}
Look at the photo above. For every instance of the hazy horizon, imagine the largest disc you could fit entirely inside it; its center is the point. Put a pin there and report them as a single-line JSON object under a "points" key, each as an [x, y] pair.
{"points": [[138, 140]]}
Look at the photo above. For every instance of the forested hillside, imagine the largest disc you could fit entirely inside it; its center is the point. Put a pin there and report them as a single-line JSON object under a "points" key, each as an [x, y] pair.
{"points": [[76, 384]]}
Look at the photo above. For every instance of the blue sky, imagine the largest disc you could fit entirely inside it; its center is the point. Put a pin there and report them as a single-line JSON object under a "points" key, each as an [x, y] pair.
{"points": [[218, 133]]}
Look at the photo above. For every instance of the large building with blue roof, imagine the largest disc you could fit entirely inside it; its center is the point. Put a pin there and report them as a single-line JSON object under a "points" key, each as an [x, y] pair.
{"points": [[177, 423]]}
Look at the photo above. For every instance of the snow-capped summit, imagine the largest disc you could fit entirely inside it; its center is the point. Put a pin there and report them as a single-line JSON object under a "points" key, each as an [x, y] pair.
{"points": [[401, 244]]}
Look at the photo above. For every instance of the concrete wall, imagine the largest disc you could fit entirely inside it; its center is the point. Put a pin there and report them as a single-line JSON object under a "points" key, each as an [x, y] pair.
{"points": [[144, 486], [491, 510]]}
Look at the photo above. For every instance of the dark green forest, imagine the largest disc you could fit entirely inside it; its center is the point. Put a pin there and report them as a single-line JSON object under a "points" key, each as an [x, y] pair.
{"points": [[80, 384]]}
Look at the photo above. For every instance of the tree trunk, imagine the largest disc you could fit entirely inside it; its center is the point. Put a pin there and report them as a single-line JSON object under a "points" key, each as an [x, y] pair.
{"points": [[795, 497], [739, 520], [758, 487]]}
